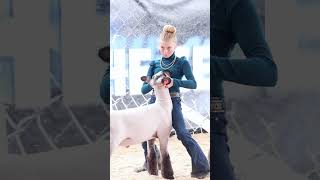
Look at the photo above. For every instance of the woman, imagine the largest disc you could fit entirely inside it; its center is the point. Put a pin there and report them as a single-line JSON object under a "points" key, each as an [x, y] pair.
{"points": [[234, 21], [178, 67]]}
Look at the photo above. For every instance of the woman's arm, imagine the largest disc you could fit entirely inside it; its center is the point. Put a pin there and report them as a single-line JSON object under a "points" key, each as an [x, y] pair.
{"points": [[190, 83], [258, 68]]}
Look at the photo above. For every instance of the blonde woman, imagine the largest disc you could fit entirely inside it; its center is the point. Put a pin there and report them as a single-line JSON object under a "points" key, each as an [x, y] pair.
{"points": [[178, 67]]}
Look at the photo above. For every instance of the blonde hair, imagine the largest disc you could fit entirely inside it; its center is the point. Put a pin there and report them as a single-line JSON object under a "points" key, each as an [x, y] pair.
{"points": [[168, 33]]}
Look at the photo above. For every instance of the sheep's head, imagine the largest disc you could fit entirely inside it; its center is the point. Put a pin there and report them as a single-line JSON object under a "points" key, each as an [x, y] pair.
{"points": [[161, 78]]}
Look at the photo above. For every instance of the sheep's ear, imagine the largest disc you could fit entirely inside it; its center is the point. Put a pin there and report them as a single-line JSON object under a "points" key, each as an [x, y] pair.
{"points": [[145, 79], [167, 73]]}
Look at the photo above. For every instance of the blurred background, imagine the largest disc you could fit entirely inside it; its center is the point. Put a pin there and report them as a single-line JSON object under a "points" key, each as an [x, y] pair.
{"points": [[52, 120], [50, 74]]}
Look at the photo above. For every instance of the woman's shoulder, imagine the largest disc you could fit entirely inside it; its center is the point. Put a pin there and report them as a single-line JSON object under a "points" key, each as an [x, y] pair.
{"points": [[182, 60]]}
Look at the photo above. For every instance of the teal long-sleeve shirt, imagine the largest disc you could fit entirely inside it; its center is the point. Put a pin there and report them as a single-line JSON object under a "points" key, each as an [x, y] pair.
{"points": [[236, 21], [180, 68]]}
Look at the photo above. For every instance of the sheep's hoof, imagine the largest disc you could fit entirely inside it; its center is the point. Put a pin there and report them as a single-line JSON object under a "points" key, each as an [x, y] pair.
{"points": [[166, 168], [152, 164]]}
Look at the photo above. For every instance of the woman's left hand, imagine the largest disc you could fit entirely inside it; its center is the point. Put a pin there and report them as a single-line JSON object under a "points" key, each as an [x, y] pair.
{"points": [[170, 84]]}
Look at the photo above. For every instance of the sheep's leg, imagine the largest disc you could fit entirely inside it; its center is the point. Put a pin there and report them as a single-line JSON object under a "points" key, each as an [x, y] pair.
{"points": [[166, 167], [152, 164], [113, 145], [114, 141]]}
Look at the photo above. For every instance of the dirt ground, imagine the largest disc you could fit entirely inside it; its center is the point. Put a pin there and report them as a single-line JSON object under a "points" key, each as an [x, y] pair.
{"points": [[125, 160]]}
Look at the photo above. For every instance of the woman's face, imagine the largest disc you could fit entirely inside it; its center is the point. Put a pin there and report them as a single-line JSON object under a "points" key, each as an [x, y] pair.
{"points": [[167, 48]]}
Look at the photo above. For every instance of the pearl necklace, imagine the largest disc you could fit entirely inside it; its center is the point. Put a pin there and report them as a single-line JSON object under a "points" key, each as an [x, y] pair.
{"points": [[167, 66]]}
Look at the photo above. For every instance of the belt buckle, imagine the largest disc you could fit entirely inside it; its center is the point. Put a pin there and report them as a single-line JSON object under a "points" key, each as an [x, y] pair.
{"points": [[217, 105], [175, 94]]}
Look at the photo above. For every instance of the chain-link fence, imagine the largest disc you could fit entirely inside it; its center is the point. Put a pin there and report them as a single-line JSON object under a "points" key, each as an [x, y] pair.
{"points": [[137, 23], [56, 125]]}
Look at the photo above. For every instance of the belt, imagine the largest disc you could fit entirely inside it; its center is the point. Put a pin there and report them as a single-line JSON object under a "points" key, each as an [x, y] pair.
{"points": [[172, 94], [217, 105]]}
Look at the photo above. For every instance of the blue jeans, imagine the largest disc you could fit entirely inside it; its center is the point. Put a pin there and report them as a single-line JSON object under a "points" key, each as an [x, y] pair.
{"points": [[199, 161], [222, 168]]}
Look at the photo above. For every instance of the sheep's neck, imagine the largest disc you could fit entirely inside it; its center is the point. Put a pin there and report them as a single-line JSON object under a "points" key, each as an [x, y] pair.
{"points": [[162, 95]]}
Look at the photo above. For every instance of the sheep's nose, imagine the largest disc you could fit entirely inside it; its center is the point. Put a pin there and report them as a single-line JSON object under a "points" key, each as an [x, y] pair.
{"points": [[166, 81]]}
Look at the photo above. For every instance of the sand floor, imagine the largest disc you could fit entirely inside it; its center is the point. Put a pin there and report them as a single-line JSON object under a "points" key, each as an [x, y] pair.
{"points": [[125, 160]]}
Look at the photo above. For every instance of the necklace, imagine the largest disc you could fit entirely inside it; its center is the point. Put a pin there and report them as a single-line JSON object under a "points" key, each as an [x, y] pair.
{"points": [[167, 66]]}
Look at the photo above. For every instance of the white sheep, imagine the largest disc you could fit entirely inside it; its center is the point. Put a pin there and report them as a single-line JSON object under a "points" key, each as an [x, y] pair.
{"points": [[136, 125]]}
